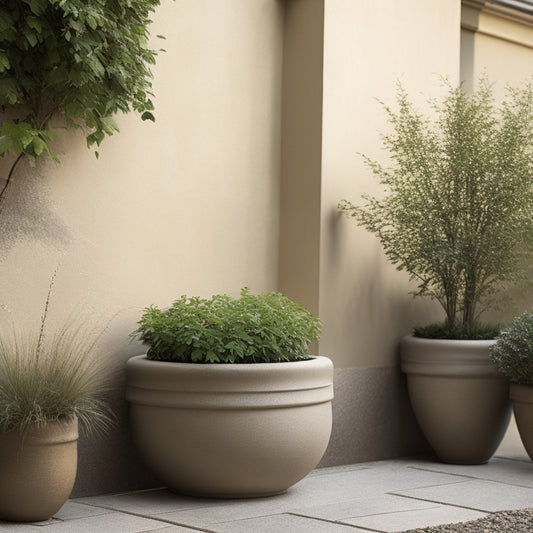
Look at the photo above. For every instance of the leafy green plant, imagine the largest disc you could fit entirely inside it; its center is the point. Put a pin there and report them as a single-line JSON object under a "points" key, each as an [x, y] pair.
{"points": [[261, 328], [513, 352], [44, 380], [458, 210], [84, 60]]}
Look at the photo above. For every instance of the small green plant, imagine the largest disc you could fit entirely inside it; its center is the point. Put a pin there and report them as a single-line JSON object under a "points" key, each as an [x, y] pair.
{"points": [[83, 60], [457, 215], [441, 331], [45, 380], [513, 352], [267, 327]]}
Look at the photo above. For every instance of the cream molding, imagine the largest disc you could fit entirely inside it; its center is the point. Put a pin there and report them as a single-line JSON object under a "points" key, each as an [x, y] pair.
{"points": [[498, 20]]}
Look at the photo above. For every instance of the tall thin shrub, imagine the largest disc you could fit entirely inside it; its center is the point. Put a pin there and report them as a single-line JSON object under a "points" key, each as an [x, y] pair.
{"points": [[457, 214]]}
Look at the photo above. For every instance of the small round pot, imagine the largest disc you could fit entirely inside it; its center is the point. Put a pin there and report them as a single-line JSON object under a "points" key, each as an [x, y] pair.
{"points": [[37, 470], [460, 400], [522, 397], [230, 430]]}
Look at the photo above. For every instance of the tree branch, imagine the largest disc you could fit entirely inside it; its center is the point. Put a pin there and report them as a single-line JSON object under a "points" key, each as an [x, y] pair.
{"points": [[5, 190]]}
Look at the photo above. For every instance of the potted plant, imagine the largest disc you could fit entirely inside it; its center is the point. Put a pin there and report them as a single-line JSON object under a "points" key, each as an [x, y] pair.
{"points": [[226, 402], [47, 386], [458, 218], [513, 356]]}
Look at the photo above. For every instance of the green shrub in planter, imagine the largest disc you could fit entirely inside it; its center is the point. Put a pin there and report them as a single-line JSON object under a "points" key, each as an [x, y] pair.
{"points": [[457, 213], [513, 351], [263, 328], [230, 430], [513, 356]]}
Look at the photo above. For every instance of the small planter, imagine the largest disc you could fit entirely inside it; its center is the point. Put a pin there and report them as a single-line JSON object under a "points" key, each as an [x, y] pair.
{"points": [[230, 430], [460, 400], [38, 470], [522, 396]]}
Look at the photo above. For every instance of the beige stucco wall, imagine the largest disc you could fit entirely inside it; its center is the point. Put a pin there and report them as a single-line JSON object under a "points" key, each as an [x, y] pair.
{"points": [[499, 44], [189, 204], [301, 152], [369, 47], [330, 113]]}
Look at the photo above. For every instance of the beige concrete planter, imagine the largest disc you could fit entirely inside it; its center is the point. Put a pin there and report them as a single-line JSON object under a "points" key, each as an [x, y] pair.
{"points": [[522, 396], [37, 470], [460, 400], [227, 430]]}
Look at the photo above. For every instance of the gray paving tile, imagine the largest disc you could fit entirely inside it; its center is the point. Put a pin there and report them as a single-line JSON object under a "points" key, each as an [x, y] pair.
{"points": [[283, 522], [341, 468], [390, 513], [174, 529], [331, 485], [378, 479], [9, 527], [476, 494], [419, 518], [147, 503], [226, 512], [72, 510], [386, 503], [497, 469], [105, 523], [313, 491]]}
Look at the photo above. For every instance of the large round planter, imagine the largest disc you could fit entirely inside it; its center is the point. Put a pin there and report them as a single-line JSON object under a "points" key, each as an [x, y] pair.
{"points": [[522, 397], [37, 470], [460, 400], [224, 430]]}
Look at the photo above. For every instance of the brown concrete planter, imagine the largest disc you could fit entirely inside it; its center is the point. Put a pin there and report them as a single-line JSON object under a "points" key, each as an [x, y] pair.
{"points": [[460, 400], [522, 396], [37, 470], [226, 430]]}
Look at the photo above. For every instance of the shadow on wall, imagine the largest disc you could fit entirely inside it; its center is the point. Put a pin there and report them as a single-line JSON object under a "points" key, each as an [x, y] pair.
{"points": [[110, 463], [26, 214]]}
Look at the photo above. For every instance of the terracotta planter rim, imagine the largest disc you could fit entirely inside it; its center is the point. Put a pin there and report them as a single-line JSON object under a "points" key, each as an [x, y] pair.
{"points": [[521, 393], [233, 365], [53, 432], [455, 342], [314, 373], [443, 357], [229, 386]]}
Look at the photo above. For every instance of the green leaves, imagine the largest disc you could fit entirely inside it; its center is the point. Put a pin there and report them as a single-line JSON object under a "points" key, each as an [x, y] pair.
{"points": [[20, 137], [83, 59], [268, 327], [513, 351], [458, 213]]}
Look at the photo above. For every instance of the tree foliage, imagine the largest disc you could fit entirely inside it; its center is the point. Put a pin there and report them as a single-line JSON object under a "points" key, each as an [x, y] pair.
{"points": [[82, 59], [458, 210]]}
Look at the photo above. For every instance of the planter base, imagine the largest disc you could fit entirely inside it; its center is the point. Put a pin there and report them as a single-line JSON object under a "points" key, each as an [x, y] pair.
{"points": [[37, 471], [230, 431], [460, 401], [522, 397]]}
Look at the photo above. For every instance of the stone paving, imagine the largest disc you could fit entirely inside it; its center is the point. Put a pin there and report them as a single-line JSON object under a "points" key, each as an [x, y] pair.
{"points": [[385, 496]]}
